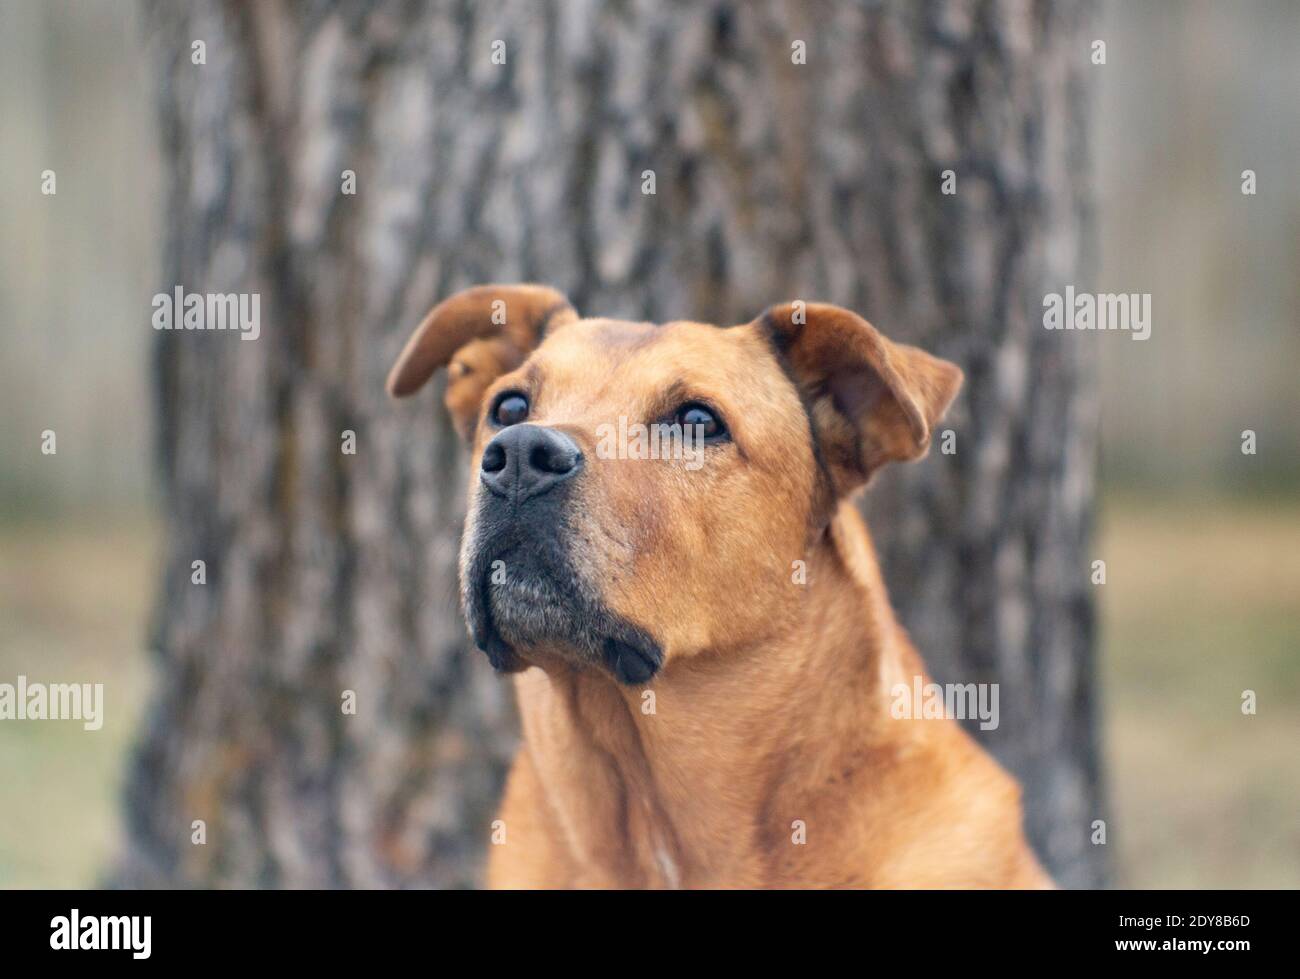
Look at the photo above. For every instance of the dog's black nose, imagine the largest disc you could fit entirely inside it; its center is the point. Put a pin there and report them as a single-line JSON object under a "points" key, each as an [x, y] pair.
{"points": [[527, 460]]}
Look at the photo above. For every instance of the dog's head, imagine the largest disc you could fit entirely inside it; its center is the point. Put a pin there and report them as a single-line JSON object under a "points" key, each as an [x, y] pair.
{"points": [[643, 492]]}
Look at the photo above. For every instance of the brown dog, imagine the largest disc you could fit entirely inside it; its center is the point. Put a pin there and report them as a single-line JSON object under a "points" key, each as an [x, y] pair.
{"points": [[715, 648]]}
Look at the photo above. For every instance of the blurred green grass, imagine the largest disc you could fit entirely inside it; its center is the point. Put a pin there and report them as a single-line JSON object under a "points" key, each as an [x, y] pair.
{"points": [[1202, 601], [74, 598]]}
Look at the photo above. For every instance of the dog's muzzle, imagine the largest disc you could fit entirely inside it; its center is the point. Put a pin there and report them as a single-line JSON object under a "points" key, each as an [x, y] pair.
{"points": [[520, 587]]}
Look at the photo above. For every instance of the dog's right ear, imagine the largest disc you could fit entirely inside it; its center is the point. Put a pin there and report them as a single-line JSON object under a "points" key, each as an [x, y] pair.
{"points": [[871, 400], [478, 334]]}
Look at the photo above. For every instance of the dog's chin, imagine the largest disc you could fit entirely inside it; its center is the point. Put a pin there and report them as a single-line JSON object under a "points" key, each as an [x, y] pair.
{"points": [[533, 613], [539, 624]]}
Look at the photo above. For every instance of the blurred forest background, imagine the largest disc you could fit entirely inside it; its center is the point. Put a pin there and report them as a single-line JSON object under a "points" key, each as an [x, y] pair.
{"points": [[1202, 543]]}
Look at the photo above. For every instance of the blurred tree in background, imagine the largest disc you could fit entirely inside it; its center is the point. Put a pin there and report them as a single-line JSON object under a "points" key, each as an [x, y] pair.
{"points": [[780, 171]]}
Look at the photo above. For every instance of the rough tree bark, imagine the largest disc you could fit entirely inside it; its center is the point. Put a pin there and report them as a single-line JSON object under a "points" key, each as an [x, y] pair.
{"points": [[774, 180]]}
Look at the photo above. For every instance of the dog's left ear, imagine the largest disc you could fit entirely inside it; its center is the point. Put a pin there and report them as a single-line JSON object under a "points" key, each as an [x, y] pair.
{"points": [[872, 401], [477, 334]]}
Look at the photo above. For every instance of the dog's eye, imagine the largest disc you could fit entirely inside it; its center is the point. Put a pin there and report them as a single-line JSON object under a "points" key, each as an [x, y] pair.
{"points": [[693, 414], [511, 408]]}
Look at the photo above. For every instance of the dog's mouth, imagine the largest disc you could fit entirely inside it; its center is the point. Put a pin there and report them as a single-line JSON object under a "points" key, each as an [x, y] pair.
{"points": [[525, 604]]}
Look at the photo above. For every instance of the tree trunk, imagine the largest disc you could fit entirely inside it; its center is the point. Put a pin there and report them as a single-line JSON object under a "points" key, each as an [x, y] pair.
{"points": [[774, 180]]}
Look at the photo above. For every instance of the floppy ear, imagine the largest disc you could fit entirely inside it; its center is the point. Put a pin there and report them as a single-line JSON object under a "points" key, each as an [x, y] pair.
{"points": [[478, 334], [871, 400]]}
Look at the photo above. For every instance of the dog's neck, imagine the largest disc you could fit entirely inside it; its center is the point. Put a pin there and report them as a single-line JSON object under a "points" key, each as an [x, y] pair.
{"points": [[693, 785]]}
